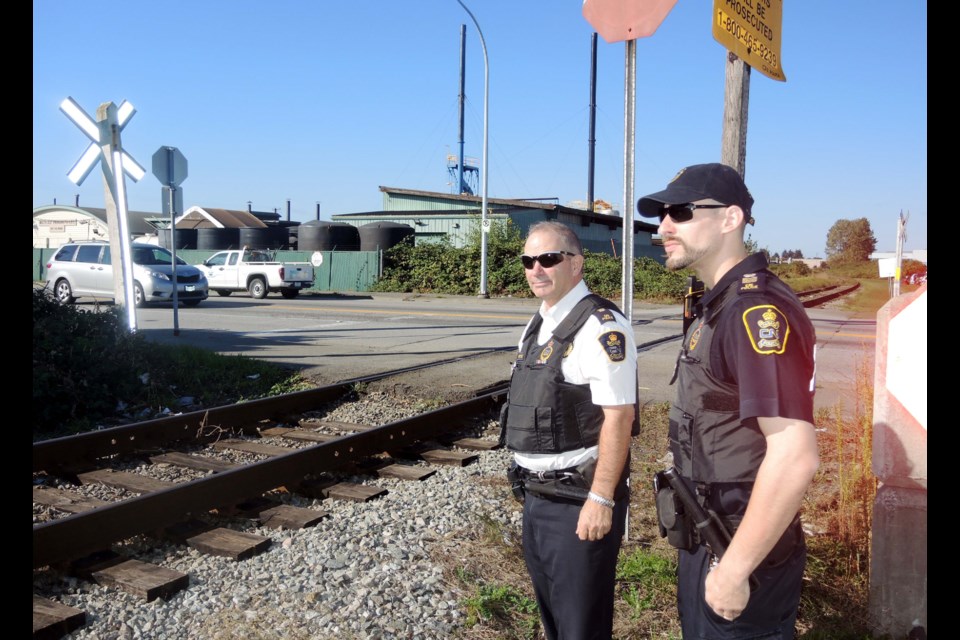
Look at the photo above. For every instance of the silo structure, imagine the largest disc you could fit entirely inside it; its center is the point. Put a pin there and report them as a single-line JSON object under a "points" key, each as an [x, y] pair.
{"points": [[381, 236], [322, 235]]}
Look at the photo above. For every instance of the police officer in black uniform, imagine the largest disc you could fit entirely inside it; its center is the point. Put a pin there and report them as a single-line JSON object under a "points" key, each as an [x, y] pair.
{"points": [[568, 419], [741, 430]]}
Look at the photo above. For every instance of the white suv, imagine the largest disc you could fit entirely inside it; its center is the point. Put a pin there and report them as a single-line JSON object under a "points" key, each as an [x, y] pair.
{"points": [[83, 269]]}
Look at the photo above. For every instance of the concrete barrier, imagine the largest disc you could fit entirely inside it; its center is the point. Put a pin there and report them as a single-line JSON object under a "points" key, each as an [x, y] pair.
{"points": [[898, 556]]}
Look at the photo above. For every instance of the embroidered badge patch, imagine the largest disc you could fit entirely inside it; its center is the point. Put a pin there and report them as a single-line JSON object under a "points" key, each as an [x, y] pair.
{"points": [[695, 337], [614, 343], [767, 329], [569, 350]]}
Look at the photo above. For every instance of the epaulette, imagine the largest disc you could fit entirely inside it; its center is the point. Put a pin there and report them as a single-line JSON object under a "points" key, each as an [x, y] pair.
{"points": [[604, 315], [753, 282]]}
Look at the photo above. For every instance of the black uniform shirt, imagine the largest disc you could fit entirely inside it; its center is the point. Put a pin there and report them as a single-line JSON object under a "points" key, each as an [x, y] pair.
{"points": [[764, 343]]}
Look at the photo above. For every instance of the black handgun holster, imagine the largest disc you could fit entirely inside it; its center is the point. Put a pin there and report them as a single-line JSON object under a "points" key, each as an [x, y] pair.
{"points": [[516, 482], [674, 524]]}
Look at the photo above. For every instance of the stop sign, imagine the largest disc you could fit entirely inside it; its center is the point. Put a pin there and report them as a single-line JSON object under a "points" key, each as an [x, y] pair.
{"points": [[617, 20], [169, 166]]}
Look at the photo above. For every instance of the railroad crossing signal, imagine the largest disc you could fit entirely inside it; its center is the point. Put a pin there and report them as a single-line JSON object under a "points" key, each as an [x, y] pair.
{"points": [[105, 144], [89, 159]]}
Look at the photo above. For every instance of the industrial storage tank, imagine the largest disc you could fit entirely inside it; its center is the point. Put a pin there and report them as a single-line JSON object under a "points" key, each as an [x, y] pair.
{"points": [[183, 238], [259, 237], [286, 232], [321, 235], [215, 239], [381, 236]]}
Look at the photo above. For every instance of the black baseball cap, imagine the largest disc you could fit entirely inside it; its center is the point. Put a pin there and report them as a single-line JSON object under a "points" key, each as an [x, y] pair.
{"points": [[713, 180]]}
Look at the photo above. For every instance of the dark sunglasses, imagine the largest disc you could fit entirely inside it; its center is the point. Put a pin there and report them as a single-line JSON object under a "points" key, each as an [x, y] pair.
{"points": [[684, 212], [546, 259]]}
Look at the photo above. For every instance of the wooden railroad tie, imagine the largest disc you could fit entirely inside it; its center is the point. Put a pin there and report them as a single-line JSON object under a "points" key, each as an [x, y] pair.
{"points": [[433, 454], [65, 500], [253, 447], [199, 463], [476, 444], [405, 472], [339, 490], [148, 581], [270, 513], [52, 620], [228, 543], [125, 480]]}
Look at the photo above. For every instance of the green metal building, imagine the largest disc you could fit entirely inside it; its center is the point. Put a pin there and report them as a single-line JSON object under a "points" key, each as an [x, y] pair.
{"points": [[434, 216]]}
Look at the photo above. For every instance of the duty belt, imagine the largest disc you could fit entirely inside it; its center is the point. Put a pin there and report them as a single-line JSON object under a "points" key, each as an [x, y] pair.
{"points": [[543, 476], [568, 484]]}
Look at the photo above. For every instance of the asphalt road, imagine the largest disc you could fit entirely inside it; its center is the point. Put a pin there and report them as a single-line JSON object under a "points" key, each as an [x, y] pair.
{"points": [[340, 337]]}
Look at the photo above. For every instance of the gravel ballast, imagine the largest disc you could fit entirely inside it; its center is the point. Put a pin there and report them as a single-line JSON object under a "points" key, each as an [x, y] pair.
{"points": [[367, 570]]}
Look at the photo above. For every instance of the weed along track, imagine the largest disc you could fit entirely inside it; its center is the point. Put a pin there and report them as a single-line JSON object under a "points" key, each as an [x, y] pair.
{"points": [[219, 482]]}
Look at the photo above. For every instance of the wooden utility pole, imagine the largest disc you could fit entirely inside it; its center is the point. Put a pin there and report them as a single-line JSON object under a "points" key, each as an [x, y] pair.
{"points": [[736, 103]]}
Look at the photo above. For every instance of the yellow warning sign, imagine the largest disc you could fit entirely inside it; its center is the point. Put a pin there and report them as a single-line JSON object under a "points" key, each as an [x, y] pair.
{"points": [[751, 29]]}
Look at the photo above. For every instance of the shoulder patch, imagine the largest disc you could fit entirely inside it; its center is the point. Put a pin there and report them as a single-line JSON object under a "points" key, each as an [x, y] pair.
{"points": [[604, 315], [614, 345], [749, 282], [767, 329]]}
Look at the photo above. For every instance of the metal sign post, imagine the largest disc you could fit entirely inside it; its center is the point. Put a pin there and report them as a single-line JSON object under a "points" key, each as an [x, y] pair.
{"points": [[485, 223], [627, 20], [170, 168], [105, 144]]}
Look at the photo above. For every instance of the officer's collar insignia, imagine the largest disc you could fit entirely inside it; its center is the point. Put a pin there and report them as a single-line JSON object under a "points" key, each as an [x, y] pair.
{"points": [[767, 328], [614, 344], [546, 353]]}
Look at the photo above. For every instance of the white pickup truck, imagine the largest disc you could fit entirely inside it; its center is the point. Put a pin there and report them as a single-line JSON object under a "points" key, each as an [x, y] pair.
{"points": [[256, 272]]}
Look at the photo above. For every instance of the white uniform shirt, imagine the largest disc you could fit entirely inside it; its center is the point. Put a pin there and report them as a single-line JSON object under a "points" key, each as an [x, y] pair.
{"points": [[611, 383]]}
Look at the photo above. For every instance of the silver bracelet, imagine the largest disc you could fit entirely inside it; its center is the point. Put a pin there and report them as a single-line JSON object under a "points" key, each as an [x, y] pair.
{"points": [[601, 500]]}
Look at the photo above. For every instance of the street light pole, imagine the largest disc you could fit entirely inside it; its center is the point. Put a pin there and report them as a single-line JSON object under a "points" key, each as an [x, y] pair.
{"points": [[484, 222]]}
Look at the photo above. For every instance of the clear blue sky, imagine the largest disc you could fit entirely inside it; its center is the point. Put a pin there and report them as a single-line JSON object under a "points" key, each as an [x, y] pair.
{"points": [[327, 101]]}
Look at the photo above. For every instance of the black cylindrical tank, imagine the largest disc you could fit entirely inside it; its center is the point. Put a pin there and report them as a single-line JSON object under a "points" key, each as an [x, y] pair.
{"points": [[322, 235], [383, 235], [183, 238], [257, 237], [218, 239]]}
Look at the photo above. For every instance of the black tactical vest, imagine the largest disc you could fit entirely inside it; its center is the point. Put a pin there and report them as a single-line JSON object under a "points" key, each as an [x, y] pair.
{"points": [[544, 413], [709, 442]]}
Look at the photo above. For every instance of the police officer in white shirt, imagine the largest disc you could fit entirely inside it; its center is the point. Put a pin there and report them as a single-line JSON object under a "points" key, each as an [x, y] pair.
{"points": [[571, 410]]}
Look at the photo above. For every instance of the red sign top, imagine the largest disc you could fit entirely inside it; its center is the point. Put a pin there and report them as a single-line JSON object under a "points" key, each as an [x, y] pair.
{"points": [[618, 20]]}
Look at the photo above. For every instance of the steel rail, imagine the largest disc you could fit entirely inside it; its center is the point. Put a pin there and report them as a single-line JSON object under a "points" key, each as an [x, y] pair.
{"points": [[80, 534], [196, 426]]}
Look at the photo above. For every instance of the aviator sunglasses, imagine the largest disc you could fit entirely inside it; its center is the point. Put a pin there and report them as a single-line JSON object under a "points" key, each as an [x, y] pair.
{"points": [[546, 259], [684, 212]]}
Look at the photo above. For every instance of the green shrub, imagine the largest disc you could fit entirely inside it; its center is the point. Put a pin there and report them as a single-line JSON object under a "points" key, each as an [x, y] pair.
{"points": [[439, 267], [90, 370]]}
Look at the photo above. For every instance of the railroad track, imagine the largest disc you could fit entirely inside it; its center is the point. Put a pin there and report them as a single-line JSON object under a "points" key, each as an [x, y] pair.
{"points": [[287, 450], [823, 295]]}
